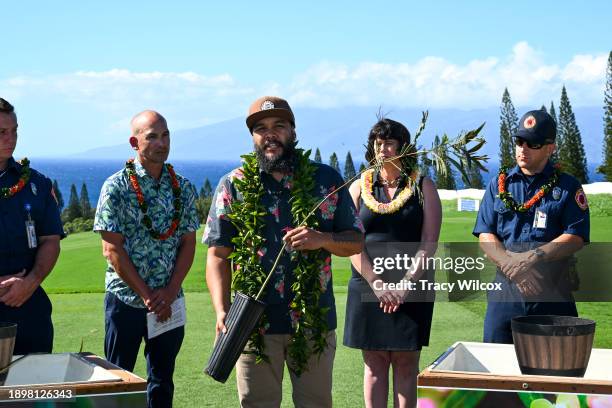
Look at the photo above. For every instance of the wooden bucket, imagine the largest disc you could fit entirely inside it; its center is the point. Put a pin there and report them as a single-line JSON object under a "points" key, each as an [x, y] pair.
{"points": [[8, 331], [553, 345]]}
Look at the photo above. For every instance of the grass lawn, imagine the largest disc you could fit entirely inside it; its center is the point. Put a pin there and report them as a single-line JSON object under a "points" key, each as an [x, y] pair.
{"points": [[77, 286]]}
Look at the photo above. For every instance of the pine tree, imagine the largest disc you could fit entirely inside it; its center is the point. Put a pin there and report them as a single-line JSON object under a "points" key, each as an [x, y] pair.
{"points": [[206, 190], [74, 206], [508, 128], [317, 157], [333, 162], [553, 113], [543, 108], [84, 202], [475, 176], [425, 166], [444, 181], [571, 150], [349, 167], [362, 167], [58, 196], [606, 165]]}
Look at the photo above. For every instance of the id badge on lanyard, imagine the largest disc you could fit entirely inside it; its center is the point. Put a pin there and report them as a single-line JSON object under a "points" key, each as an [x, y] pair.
{"points": [[30, 228], [539, 220]]}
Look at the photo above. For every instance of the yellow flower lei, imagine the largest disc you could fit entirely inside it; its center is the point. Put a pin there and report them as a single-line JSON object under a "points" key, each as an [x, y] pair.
{"points": [[382, 208]]}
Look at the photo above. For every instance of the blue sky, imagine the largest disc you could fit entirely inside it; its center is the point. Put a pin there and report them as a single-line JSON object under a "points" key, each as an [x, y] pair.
{"points": [[77, 71]]}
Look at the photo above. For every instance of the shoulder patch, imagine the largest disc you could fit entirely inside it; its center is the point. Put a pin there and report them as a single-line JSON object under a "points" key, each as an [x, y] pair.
{"points": [[581, 199]]}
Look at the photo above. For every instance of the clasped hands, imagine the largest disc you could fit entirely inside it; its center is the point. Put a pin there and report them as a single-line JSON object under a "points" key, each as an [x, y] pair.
{"points": [[390, 299], [16, 289], [159, 301], [519, 268]]}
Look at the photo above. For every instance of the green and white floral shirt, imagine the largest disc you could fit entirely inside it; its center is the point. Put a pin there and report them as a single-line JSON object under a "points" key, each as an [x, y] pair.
{"points": [[118, 211]]}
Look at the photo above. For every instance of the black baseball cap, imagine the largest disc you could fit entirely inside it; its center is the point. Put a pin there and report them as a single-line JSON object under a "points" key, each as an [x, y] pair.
{"points": [[537, 127]]}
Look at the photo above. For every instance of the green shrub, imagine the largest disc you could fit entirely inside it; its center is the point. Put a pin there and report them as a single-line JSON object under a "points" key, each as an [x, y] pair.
{"points": [[78, 225]]}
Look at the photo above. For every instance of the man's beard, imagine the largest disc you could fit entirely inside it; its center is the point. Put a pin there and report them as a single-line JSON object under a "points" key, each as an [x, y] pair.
{"points": [[283, 163]]}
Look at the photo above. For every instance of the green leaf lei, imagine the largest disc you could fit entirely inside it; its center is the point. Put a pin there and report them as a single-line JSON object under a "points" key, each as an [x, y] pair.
{"points": [[248, 216]]}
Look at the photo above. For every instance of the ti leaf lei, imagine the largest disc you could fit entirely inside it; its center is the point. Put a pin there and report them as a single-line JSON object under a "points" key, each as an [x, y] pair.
{"points": [[510, 203], [248, 216]]}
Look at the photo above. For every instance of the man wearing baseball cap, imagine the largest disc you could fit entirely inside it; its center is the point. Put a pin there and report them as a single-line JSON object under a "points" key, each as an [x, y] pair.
{"points": [[532, 218], [257, 209]]}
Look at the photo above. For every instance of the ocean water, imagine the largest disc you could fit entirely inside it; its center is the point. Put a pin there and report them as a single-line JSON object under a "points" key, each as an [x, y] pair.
{"points": [[94, 172]]}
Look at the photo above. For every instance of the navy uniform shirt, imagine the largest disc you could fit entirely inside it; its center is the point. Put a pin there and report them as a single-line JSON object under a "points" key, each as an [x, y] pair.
{"points": [[565, 209], [336, 214], [15, 253]]}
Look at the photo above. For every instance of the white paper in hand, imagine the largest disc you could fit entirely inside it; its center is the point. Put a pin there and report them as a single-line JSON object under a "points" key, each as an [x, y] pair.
{"points": [[178, 319]]}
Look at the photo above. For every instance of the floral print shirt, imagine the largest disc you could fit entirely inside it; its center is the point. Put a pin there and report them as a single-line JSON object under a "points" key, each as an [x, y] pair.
{"points": [[118, 211], [336, 214]]}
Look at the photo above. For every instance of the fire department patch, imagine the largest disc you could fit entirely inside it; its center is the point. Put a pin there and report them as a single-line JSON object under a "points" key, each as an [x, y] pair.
{"points": [[529, 122], [581, 199]]}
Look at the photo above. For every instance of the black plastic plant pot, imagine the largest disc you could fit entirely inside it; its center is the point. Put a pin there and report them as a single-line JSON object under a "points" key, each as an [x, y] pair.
{"points": [[243, 316]]}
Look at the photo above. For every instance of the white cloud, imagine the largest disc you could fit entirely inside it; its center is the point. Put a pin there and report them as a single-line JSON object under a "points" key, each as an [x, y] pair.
{"points": [[585, 68], [437, 82], [187, 96], [191, 98]]}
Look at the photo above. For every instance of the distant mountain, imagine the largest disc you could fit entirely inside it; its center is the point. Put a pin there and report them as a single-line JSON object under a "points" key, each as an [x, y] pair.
{"points": [[342, 129]]}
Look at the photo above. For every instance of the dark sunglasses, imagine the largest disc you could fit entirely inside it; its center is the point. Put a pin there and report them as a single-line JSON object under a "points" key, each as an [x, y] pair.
{"points": [[535, 146]]}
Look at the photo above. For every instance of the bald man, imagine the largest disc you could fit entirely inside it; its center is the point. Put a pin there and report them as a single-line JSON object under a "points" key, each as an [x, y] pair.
{"points": [[147, 219]]}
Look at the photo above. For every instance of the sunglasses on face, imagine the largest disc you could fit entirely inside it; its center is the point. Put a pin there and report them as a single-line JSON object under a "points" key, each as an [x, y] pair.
{"points": [[535, 146]]}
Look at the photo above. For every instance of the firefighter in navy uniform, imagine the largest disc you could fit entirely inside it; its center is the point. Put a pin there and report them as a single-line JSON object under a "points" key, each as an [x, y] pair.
{"points": [[531, 220], [30, 232]]}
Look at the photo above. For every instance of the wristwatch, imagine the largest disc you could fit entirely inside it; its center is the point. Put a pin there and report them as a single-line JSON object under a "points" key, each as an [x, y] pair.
{"points": [[539, 254]]}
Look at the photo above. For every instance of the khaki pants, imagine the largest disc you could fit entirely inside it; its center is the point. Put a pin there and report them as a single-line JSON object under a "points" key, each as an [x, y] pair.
{"points": [[260, 385]]}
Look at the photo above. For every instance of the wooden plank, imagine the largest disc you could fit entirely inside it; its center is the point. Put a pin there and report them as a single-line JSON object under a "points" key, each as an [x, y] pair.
{"points": [[539, 383], [129, 382]]}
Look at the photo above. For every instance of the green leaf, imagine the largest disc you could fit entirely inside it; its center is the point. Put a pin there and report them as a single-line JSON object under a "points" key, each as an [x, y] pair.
{"points": [[528, 397], [542, 403], [464, 399]]}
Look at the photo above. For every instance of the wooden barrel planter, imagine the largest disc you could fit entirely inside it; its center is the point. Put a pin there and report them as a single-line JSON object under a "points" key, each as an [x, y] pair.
{"points": [[553, 345], [243, 316], [8, 331]]}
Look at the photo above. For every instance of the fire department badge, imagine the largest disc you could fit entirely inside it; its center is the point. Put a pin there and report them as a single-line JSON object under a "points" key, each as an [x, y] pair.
{"points": [[581, 200], [529, 122]]}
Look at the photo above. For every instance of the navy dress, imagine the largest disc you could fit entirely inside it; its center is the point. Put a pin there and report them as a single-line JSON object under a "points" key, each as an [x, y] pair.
{"points": [[366, 326]]}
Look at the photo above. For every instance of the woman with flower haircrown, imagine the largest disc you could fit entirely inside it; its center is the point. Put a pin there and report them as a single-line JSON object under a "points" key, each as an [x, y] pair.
{"points": [[400, 208]]}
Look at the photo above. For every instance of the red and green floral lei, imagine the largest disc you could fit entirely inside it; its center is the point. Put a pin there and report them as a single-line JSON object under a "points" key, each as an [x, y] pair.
{"points": [[176, 192], [8, 192], [510, 203]]}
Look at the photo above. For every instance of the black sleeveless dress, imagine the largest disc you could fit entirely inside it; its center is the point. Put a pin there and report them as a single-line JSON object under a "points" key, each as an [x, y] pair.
{"points": [[366, 326]]}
